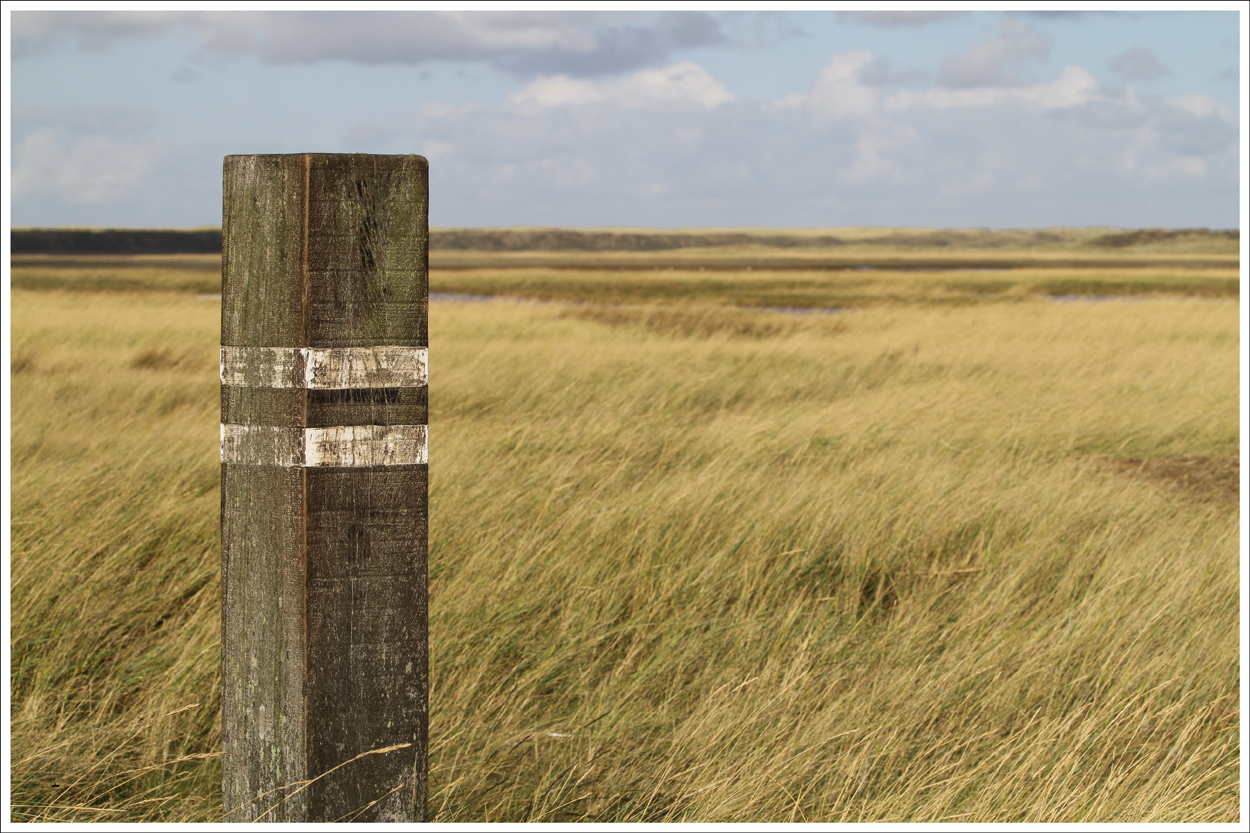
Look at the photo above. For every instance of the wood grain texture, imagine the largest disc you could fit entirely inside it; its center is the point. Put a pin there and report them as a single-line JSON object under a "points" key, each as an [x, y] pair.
{"points": [[366, 635], [324, 651]]}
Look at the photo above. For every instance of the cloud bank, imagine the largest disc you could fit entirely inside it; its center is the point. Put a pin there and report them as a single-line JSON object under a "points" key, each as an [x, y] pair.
{"points": [[583, 44], [660, 146], [603, 129]]}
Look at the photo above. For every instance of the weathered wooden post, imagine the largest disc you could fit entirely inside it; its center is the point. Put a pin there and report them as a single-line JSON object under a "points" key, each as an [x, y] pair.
{"points": [[324, 487]]}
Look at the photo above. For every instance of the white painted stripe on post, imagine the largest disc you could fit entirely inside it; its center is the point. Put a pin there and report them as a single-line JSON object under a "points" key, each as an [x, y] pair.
{"points": [[366, 445], [338, 446], [325, 368], [262, 367], [365, 367]]}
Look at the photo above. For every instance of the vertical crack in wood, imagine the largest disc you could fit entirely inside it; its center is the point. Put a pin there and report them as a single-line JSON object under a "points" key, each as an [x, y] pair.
{"points": [[305, 298]]}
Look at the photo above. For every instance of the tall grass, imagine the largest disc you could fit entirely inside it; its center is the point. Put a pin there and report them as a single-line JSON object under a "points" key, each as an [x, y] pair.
{"points": [[115, 538], [686, 564]]}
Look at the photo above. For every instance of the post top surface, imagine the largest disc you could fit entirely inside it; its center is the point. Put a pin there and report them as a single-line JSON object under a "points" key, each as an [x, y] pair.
{"points": [[326, 156]]}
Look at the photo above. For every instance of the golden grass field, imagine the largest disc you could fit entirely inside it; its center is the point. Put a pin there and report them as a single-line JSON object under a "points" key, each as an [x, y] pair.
{"points": [[958, 555]]}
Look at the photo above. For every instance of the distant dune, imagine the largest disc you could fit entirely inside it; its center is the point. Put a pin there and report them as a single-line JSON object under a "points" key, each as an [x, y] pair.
{"points": [[208, 241], [115, 241]]}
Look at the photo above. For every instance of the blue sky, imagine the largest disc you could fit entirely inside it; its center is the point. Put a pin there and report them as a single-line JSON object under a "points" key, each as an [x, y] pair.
{"points": [[683, 118]]}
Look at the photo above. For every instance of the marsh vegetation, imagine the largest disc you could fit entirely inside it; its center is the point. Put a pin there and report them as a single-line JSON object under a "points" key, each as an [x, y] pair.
{"points": [[970, 559]]}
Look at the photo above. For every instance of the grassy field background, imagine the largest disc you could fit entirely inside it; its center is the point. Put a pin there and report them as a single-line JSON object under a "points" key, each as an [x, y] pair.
{"points": [[967, 558]]}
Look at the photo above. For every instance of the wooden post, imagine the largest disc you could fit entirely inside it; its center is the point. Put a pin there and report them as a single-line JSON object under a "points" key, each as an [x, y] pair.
{"points": [[324, 487]]}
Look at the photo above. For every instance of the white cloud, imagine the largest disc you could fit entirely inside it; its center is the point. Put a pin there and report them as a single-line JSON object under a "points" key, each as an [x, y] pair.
{"points": [[87, 170], [1074, 86], [681, 86], [1058, 151], [1196, 126], [995, 61], [1201, 105], [839, 93], [557, 91], [871, 163]]}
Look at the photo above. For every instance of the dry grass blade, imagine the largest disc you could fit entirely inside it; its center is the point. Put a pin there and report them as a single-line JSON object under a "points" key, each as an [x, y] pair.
{"points": [[299, 786]]}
